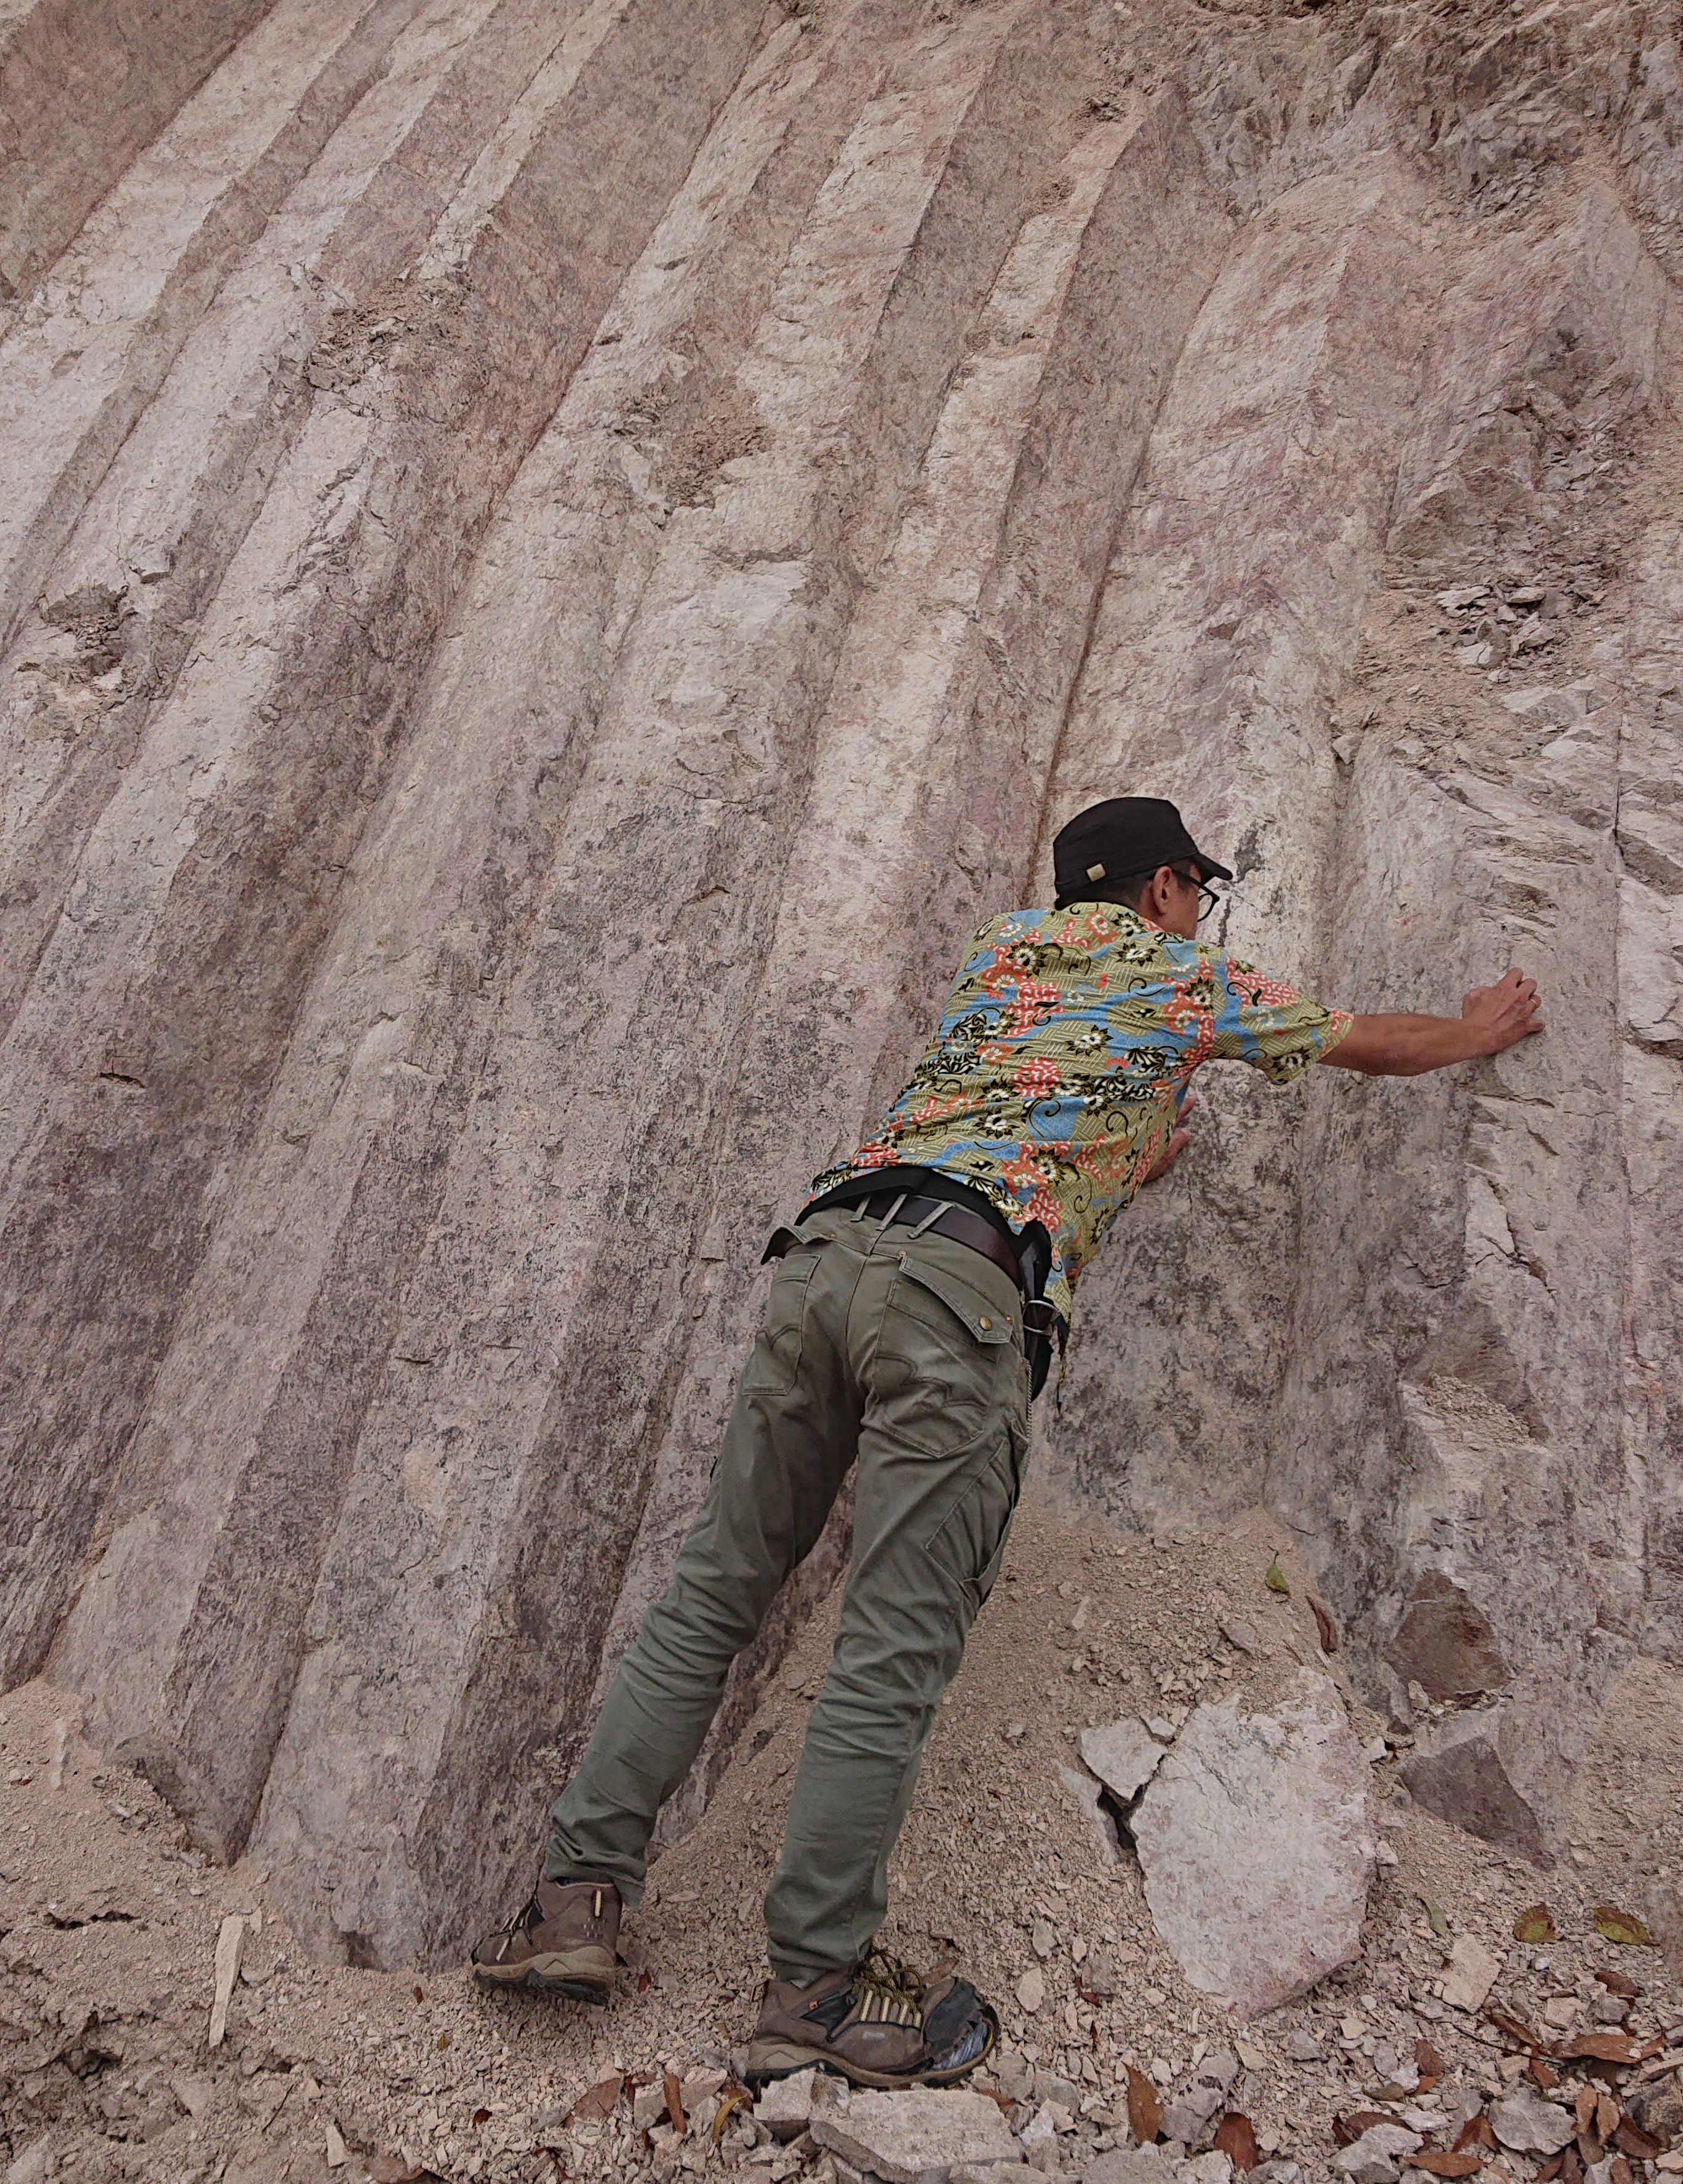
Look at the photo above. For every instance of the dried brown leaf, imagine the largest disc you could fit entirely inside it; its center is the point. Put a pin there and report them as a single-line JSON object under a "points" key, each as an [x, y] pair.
{"points": [[1546, 2078], [1515, 2028], [732, 2096], [1584, 2107], [1427, 2060], [1325, 1625], [1348, 2129], [1602, 2046], [1436, 2162], [1619, 1983], [1551, 2167], [1639, 2144], [1145, 2108], [1619, 2171], [601, 2100], [674, 2093], [1236, 2139], [1607, 2112], [1536, 1925], [1623, 1927], [481, 2115]]}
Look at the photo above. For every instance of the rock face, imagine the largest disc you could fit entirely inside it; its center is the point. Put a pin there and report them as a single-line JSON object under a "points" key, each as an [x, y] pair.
{"points": [[555, 562], [1253, 1839]]}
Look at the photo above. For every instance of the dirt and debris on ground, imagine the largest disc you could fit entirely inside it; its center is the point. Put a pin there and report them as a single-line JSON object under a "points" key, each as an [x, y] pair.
{"points": [[1449, 2038]]}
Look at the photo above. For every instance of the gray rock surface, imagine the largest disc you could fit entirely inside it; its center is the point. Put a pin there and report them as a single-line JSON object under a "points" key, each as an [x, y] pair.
{"points": [[1253, 1838], [486, 514], [1126, 2166]]}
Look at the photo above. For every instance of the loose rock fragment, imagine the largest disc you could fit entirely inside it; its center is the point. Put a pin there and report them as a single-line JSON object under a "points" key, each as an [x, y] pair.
{"points": [[1031, 1989], [230, 1944], [917, 2136], [785, 2106], [1122, 1755], [1471, 1976], [1528, 2125], [1085, 1792], [1133, 2165], [1376, 2157]]}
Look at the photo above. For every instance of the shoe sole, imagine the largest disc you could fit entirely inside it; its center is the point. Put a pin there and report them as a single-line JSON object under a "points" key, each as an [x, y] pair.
{"points": [[781, 2058], [552, 1974]]}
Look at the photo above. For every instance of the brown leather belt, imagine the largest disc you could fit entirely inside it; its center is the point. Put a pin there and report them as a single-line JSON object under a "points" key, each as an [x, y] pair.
{"points": [[954, 1221]]}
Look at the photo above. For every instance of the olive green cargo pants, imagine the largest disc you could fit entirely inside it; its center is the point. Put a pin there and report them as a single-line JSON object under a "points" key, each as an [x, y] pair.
{"points": [[901, 1350]]}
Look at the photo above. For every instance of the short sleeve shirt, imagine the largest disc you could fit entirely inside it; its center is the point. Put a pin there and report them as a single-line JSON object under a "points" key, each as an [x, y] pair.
{"points": [[1063, 1055]]}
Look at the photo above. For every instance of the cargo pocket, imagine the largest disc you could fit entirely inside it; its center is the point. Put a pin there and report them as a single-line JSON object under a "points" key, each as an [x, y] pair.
{"points": [[775, 1360], [947, 1367], [969, 1544]]}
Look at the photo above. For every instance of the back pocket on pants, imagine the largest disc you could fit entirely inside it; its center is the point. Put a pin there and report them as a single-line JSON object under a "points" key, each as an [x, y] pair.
{"points": [[776, 1361], [969, 1543]]}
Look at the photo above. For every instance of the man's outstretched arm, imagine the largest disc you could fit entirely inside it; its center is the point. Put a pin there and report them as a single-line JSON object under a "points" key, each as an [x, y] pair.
{"points": [[1492, 1018]]}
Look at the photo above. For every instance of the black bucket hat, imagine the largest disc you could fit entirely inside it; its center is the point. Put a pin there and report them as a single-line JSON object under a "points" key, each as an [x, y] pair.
{"points": [[1121, 839]]}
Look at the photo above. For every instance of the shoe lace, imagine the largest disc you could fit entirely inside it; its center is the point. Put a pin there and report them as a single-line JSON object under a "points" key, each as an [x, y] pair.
{"points": [[529, 1914], [888, 1990]]}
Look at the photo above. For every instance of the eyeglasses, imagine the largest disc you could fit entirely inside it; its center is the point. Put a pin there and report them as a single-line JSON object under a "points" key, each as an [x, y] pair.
{"points": [[1208, 900]]}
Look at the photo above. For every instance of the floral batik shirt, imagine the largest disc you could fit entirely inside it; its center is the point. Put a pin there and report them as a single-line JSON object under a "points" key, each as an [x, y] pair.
{"points": [[1064, 1053]]}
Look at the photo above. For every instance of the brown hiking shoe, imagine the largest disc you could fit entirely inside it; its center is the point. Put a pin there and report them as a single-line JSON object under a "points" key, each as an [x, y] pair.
{"points": [[878, 2024], [562, 1941]]}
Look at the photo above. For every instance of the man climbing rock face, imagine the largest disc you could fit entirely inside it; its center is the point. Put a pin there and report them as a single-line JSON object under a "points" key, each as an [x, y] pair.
{"points": [[911, 1314]]}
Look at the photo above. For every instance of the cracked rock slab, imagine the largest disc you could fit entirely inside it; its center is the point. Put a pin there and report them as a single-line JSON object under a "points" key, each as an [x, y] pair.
{"points": [[1123, 1756], [1254, 1839], [918, 2137]]}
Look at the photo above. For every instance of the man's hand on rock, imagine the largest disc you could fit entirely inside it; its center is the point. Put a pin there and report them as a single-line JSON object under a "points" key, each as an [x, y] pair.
{"points": [[1505, 1013], [1179, 1137], [1492, 1018]]}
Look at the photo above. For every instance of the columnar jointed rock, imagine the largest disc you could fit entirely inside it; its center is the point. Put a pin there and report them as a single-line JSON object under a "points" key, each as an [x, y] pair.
{"points": [[1253, 1836], [551, 571]]}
